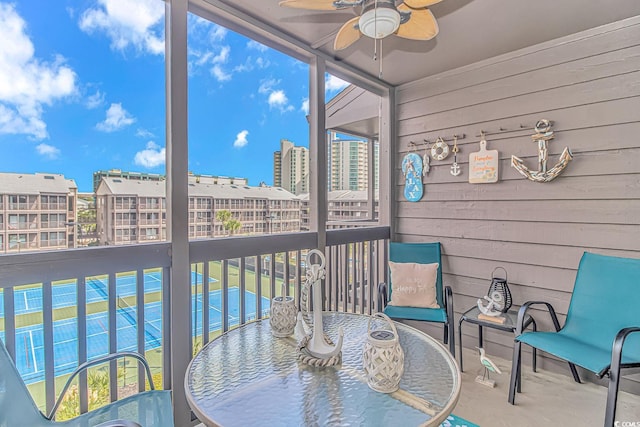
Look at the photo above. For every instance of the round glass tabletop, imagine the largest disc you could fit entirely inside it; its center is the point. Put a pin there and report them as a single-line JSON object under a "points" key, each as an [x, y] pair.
{"points": [[249, 377]]}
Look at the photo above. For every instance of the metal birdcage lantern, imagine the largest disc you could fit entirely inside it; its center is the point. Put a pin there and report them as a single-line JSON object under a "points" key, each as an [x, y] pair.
{"points": [[500, 287]]}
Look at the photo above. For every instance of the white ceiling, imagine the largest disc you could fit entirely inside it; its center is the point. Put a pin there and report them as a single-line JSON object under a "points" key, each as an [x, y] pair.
{"points": [[470, 31]]}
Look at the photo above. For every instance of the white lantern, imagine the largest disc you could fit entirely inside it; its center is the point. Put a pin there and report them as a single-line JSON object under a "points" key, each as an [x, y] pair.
{"points": [[283, 315], [382, 357]]}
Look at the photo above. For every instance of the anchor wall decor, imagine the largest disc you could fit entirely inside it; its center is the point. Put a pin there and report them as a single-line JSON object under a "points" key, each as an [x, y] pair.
{"points": [[542, 137]]}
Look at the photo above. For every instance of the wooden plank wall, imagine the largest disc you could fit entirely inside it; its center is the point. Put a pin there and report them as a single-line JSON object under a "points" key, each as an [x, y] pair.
{"points": [[588, 84]]}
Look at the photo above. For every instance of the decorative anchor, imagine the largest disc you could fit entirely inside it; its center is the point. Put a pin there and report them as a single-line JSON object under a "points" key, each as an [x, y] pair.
{"points": [[455, 167], [542, 137], [317, 349]]}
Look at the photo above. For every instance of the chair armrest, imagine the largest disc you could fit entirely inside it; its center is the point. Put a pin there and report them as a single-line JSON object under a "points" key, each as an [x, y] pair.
{"points": [[98, 361], [523, 311], [383, 295], [616, 352], [448, 302]]}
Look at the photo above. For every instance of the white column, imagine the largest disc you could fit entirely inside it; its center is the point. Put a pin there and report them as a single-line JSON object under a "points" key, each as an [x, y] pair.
{"points": [[178, 204], [317, 152]]}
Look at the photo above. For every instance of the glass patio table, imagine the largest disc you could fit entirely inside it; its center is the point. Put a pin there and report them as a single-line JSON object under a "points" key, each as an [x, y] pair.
{"points": [[249, 377]]}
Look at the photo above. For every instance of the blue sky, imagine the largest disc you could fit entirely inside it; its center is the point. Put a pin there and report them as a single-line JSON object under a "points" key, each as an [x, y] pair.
{"points": [[82, 89]]}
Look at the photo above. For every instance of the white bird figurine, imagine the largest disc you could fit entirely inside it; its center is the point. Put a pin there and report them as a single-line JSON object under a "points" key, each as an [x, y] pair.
{"points": [[489, 366]]}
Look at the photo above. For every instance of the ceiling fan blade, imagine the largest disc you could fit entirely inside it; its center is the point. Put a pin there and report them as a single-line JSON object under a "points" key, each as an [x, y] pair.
{"points": [[347, 35], [421, 26], [309, 4], [419, 4]]}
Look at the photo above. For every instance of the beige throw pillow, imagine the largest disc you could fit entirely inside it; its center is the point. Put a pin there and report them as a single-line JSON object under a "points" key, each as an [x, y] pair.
{"points": [[413, 284]]}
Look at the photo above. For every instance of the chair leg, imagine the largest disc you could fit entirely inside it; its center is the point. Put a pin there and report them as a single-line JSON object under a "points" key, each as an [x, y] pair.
{"points": [[515, 367], [452, 340], [519, 383], [574, 372], [612, 397], [535, 358], [446, 334], [460, 341]]}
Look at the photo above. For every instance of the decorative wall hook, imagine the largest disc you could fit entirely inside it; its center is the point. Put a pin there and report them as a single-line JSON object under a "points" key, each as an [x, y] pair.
{"points": [[543, 135], [455, 167]]}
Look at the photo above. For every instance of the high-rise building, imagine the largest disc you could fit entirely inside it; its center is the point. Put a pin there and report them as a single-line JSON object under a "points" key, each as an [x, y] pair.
{"points": [[348, 164], [37, 211], [291, 168]]}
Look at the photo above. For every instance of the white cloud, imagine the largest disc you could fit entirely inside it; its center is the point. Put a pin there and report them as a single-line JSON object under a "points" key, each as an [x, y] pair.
{"points": [[247, 66], [262, 63], [48, 151], [278, 98], [305, 106], [117, 118], [223, 56], [151, 156], [334, 84], [220, 74], [26, 82], [251, 64], [217, 33], [143, 133], [266, 85], [241, 139], [200, 58], [205, 30], [128, 23], [95, 100], [252, 44]]}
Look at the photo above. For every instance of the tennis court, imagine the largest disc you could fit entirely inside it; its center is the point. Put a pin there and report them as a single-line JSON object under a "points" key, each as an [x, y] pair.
{"points": [[29, 300], [30, 340]]}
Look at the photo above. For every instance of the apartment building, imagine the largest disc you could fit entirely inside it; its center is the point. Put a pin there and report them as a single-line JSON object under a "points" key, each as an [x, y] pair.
{"points": [[37, 211], [132, 211], [349, 163], [291, 168], [345, 208], [143, 176]]}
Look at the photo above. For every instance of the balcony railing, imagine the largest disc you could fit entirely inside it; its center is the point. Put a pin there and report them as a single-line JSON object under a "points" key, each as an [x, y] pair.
{"points": [[125, 206], [22, 206], [87, 302], [52, 206], [53, 243]]}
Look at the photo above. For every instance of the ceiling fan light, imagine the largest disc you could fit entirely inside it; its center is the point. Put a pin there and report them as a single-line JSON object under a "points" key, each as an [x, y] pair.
{"points": [[379, 23]]}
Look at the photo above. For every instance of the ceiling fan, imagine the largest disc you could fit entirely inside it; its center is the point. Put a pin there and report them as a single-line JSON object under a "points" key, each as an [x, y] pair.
{"points": [[378, 19]]}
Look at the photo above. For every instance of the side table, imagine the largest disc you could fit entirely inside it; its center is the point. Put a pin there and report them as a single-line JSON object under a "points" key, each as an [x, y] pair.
{"points": [[509, 325]]}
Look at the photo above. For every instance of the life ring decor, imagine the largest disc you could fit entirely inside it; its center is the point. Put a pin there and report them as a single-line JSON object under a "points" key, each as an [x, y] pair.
{"points": [[440, 149]]}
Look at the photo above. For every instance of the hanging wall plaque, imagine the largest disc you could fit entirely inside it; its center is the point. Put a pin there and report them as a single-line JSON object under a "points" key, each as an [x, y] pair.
{"points": [[483, 165], [543, 135], [412, 171]]}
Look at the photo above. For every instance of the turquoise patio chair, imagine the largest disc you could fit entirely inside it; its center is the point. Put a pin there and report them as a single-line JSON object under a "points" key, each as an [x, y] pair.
{"points": [[17, 408], [602, 330], [421, 253]]}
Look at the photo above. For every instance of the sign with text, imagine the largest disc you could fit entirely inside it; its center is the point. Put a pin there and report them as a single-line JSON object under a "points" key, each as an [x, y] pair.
{"points": [[483, 165]]}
